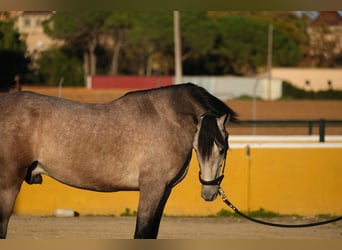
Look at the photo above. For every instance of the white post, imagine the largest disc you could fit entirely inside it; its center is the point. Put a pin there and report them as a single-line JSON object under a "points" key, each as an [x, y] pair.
{"points": [[254, 105], [178, 47], [269, 60]]}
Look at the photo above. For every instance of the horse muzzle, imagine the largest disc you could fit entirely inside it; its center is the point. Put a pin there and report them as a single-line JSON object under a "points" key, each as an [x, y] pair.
{"points": [[210, 189], [209, 193]]}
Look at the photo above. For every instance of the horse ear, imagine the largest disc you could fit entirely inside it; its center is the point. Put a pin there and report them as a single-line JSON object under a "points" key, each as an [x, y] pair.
{"points": [[223, 120]]}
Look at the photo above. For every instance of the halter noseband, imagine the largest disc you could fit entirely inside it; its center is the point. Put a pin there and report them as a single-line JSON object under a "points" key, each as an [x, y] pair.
{"points": [[215, 182]]}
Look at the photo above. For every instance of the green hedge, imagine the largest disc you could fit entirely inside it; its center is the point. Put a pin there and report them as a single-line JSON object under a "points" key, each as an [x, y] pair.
{"points": [[292, 92]]}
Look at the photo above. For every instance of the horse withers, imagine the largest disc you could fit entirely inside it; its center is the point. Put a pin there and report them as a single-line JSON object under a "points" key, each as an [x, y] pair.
{"points": [[141, 141]]}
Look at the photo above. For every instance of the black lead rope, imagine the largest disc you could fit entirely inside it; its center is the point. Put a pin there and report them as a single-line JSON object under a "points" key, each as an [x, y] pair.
{"points": [[225, 200]]}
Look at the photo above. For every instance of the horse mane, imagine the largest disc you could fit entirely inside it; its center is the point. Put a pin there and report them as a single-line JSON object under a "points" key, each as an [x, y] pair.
{"points": [[207, 102], [214, 108], [208, 135], [211, 104]]}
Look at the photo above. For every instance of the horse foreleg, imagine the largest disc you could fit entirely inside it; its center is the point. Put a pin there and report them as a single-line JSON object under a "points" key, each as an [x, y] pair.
{"points": [[152, 201]]}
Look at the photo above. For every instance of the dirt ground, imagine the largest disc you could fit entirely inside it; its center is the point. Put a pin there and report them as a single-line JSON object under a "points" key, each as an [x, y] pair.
{"points": [[102, 227]]}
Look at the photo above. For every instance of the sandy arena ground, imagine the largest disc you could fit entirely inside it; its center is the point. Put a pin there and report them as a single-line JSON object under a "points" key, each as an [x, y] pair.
{"points": [[101, 227]]}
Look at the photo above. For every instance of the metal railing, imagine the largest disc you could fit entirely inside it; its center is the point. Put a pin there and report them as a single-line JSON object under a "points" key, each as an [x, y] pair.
{"points": [[310, 124]]}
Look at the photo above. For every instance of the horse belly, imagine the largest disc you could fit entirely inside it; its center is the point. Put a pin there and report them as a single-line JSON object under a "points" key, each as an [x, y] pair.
{"points": [[86, 158], [91, 176]]}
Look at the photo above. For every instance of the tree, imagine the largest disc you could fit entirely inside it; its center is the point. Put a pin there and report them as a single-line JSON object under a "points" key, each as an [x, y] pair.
{"points": [[239, 46], [142, 42], [10, 38], [291, 40], [198, 33], [117, 25], [151, 40], [13, 61], [60, 63], [82, 29]]}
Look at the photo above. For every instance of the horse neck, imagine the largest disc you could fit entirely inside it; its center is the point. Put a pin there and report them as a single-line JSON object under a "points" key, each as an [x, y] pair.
{"points": [[174, 104]]}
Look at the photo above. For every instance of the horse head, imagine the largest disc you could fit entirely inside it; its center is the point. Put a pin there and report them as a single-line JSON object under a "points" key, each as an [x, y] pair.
{"points": [[211, 145]]}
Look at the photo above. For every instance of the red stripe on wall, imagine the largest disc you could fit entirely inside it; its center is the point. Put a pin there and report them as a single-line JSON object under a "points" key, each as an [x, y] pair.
{"points": [[130, 82]]}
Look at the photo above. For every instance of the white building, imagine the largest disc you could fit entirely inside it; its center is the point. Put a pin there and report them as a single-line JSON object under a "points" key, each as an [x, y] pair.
{"points": [[230, 87], [29, 25], [311, 79]]}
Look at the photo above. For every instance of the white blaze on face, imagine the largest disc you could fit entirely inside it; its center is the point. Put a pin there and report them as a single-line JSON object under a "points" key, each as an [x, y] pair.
{"points": [[210, 166]]}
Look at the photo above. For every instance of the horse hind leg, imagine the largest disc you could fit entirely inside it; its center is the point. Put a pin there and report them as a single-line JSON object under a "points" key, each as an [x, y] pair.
{"points": [[7, 199], [9, 189]]}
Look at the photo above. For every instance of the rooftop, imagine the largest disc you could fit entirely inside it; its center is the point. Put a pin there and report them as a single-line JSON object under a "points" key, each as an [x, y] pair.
{"points": [[327, 18]]}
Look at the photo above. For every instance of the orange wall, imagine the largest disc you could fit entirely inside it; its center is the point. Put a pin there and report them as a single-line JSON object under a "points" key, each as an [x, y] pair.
{"points": [[298, 180]]}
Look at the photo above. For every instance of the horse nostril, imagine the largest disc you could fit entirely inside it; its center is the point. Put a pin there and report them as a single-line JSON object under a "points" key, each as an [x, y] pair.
{"points": [[214, 197]]}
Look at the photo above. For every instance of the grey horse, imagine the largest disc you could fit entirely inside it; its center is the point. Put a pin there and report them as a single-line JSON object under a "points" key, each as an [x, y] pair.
{"points": [[141, 141]]}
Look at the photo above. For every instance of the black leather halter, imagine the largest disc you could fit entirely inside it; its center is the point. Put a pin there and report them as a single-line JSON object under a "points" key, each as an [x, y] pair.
{"points": [[215, 182]]}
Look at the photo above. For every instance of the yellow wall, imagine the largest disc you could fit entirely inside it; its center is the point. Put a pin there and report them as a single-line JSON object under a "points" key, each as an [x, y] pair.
{"points": [[304, 181]]}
